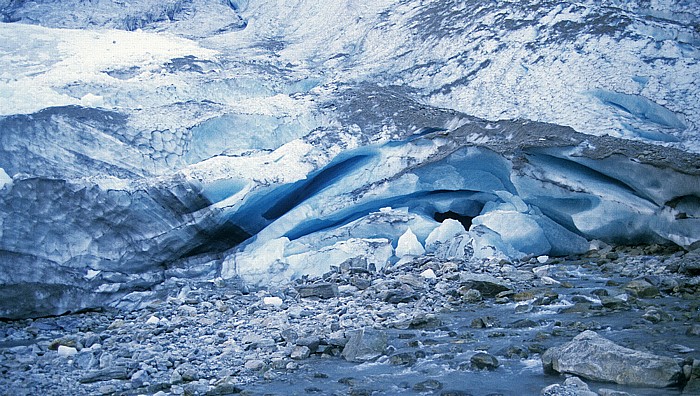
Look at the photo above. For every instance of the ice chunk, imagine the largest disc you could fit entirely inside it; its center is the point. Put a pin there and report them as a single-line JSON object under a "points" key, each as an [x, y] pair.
{"points": [[5, 179], [444, 233], [518, 230], [408, 245]]}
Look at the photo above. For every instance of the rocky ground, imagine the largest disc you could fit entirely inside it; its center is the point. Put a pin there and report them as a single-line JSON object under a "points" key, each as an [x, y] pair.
{"points": [[625, 320]]}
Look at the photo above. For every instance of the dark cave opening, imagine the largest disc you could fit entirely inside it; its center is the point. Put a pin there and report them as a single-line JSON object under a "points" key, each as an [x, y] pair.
{"points": [[466, 221], [217, 240]]}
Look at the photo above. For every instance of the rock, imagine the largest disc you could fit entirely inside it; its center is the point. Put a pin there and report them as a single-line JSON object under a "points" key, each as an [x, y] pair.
{"points": [[487, 285], [593, 357], [139, 378], [611, 392], [110, 373], [300, 352], [424, 321], [690, 263], [400, 296], [66, 351], [573, 386], [320, 290], [427, 386], [187, 372], [364, 345], [274, 301], [642, 289], [483, 360], [428, 274], [403, 359], [254, 364], [693, 330], [153, 320], [224, 389], [692, 387]]}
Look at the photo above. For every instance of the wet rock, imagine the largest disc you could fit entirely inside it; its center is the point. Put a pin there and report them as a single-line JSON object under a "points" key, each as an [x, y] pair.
{"points": [[424, 321], [611, 392], [524, 324], [693, 330], [403, 359], [572, 386], [642, 289], [364, 345], [483, 360], [455, 393], [487, 285], [692, 387], [224, 389], [484, 322], [427, 386], [320, 290], [593, 357]]}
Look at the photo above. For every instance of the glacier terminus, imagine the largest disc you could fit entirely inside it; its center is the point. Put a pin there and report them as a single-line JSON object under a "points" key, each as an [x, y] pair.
{"points": [[257, 142]]}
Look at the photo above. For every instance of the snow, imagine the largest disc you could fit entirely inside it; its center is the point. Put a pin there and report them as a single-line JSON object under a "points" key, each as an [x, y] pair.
{"points": [[37, 64]]}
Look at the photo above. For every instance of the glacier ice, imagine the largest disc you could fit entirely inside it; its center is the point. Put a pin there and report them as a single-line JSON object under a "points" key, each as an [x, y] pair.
{"points": [[263, 141], [408, 245]]}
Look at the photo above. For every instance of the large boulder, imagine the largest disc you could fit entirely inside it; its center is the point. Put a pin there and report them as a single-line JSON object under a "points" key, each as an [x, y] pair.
{"points": [[364, 345], [596, 358]]}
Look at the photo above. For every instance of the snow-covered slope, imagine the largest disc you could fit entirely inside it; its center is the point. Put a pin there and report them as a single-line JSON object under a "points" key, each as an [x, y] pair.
{"points": [[263, 140]]}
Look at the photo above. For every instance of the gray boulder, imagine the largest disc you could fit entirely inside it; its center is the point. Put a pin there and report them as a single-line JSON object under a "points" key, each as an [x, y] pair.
{"points": [[596, 358], [573, 386], [364, 345]]}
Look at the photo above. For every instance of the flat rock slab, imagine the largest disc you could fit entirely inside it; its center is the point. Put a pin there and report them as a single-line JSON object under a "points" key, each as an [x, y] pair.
{"points": [[320, 290], [596, 358]]}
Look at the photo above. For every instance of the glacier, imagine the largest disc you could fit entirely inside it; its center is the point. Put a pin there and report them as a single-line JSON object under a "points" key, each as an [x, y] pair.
{"points": [[262, 141]]}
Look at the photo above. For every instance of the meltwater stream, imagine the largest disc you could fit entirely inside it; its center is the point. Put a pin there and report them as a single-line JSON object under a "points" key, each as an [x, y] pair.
{"points": [[436, 360]]}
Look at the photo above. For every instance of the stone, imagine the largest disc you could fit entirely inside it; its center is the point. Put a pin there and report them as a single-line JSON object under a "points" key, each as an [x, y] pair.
{"points": [[66, 351], [300, 352], [612, 392], [692, 387], [320, 290], [364, 345], [690, 263], [274, 301], [153, 320], [424, 321], [642, 289], [693, 330], [483, 360], [403, 359], [139, 378], [224, 389], [428, 274], [254, 364], [487, 285], [106, 374], [573, 386], [427, 386], [596, 358]]}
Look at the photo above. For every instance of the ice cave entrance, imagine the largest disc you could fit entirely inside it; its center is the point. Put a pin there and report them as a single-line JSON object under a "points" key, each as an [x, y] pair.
{"points": [[466, 221]]}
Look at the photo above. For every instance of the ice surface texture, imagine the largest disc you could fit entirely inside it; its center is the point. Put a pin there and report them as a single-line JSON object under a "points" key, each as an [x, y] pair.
{"points": [[262, 141]]}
